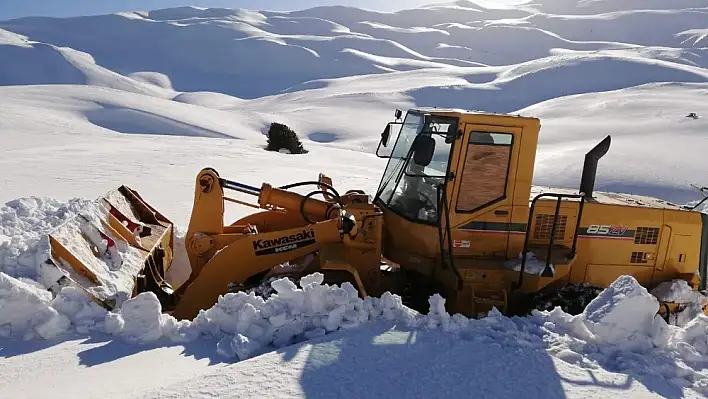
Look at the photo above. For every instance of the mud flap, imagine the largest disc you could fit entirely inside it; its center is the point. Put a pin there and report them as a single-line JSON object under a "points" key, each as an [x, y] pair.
{"points": [[116, 247]]}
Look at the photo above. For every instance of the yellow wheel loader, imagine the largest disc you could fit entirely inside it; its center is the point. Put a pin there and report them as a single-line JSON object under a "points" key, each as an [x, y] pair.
{"points": [[455, 213]]}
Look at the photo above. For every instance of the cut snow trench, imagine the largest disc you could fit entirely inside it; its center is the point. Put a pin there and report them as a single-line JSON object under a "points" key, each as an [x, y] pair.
{"points": [[621, 323]]}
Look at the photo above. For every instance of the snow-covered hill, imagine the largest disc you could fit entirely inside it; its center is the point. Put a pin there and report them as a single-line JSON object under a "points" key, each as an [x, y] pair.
{"points": [[335, 74], [149, 98], [249, 54]]}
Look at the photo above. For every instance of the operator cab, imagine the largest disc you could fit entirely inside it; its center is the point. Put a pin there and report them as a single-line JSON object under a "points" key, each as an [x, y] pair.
{"points": [[456, 182], [419, 153]]}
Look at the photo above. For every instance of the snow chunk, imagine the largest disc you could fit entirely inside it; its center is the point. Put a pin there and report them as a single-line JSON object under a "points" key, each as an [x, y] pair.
{"points": [[314, 278], [142, 318], [26, 312], [23, 224], [238, 346], [622, 313], [84, 314], [691, 341], [677, 291]]}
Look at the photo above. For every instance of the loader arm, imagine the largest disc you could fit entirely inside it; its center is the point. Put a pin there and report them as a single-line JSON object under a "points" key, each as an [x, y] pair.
{"points": [[248, 255], [207, 234], [220, 255]]}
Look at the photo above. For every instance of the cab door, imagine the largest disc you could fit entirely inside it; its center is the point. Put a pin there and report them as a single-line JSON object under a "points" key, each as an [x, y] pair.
{"points": [[481, 201]]}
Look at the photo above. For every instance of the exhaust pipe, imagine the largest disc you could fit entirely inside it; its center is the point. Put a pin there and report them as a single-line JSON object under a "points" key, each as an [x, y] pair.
{"points": [[587, 182]]}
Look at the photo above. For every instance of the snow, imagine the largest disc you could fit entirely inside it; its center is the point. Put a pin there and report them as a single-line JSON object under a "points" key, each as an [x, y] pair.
{"points": [[76, 226], [678, 291], [243, 322], [148, 98], [24, 223], [25, 308], [533, 265], [559, 354], [621, 312]]}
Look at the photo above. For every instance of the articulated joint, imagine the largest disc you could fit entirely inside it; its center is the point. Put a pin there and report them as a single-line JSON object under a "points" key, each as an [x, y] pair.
{"points": [[201, 243], [206, 182]]}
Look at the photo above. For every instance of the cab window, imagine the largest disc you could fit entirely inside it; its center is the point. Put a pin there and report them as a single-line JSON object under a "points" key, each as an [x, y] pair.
{"points": [[485, 171]]}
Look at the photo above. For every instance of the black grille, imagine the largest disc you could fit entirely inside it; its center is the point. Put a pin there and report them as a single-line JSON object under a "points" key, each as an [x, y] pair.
{"points": [[544, 225], [639, 257], [646, 235]]}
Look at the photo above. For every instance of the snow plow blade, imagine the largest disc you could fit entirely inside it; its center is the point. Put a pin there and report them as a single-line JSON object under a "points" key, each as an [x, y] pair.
{"points": [[115, 248]]}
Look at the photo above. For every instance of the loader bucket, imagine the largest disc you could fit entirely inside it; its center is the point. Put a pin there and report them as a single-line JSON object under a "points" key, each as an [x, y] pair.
{"points": [[115, 248]]}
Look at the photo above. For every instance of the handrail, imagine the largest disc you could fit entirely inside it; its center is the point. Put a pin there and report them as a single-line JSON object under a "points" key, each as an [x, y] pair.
{"points": [[556, 215], [442, 197]]}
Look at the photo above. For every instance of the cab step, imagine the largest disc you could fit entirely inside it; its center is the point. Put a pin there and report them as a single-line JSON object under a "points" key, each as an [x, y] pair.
{"points": [[484, 298]]}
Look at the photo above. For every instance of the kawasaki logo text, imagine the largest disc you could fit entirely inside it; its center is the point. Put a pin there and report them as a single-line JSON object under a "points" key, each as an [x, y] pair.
{"points": [[284, 243]]}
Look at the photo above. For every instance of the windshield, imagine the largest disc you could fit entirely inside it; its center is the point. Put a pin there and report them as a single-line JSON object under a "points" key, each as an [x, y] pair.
{"points": [[412, 192]]}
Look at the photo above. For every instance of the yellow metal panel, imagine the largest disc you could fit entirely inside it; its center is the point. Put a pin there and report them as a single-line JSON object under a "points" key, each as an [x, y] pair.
{"points": [[604, 275], [682, 256], [607, 234]]}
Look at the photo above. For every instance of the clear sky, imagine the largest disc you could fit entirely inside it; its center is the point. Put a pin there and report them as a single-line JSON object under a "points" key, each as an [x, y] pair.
{"points": [[64, 8]]}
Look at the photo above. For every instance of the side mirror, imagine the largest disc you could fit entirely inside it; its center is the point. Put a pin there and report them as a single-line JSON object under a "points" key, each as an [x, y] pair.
{"points": [[452, 134], [385, 138], [398, 114], [423, 150], [385, 135]]}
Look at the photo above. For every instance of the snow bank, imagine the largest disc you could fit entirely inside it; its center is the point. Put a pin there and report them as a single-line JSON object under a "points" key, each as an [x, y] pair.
{"points": [[26, 311], [23, 223], [622, 313], [691, 341], [243, 323], [619, 330], [27, 221], [40, 305], [246, 323], [678, 291]]}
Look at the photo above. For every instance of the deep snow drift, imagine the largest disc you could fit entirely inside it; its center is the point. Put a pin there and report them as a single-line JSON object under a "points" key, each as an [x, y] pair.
{"points": [[547, 355], [618, 332]]}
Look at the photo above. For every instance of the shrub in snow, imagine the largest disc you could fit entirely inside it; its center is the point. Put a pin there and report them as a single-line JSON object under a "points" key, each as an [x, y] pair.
{"points": [[283, 139]]}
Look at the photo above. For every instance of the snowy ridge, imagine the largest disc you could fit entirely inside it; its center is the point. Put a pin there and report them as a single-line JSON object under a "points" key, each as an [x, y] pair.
{"points": [[460, 40]]}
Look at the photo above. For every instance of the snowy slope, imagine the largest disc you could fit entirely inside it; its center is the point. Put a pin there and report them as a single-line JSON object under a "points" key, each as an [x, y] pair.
{"points": [[191, 49], [87, 142], [149, 98], [335, 74]]}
